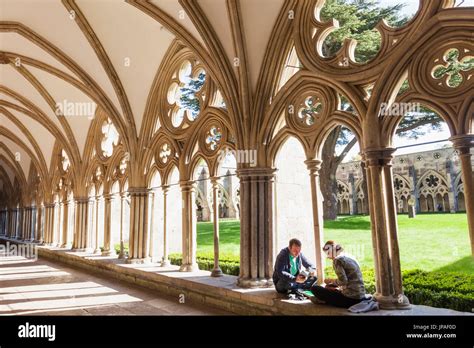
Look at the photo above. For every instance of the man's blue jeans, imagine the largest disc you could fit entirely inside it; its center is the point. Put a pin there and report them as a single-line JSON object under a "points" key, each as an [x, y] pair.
{"points": [[283, 286]]}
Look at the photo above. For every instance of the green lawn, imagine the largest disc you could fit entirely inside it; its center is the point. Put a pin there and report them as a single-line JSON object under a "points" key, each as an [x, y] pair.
{"points": [[428, 242]]}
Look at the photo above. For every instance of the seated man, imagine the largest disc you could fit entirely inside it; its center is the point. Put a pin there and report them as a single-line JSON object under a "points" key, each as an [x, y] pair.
{"points": [[287, 275], [348, 289]]}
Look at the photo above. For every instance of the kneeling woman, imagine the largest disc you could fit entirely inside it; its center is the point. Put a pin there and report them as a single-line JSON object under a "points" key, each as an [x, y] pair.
{"points": [[348, 289]]}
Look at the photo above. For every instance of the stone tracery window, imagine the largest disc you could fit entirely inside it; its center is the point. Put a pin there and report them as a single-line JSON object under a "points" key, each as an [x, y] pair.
{"points": [[213, 138], [65, 163], [98, 175], [310, 110], [122, 167], [185, 94], [164, 152], [451, 67], [432, 181], [398, 184], [110, 138], [401, 187]]}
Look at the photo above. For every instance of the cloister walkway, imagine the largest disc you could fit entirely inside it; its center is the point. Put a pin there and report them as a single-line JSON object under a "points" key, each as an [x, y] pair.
{"points": [[42, 287], [62, 282]]}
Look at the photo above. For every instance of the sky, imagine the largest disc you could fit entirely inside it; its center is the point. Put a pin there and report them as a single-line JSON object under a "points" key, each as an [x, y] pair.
{"points": [[411, 6]]}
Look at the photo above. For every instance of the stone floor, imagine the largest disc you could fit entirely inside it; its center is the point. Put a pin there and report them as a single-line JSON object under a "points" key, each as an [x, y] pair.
{"points": [[42, 287]]}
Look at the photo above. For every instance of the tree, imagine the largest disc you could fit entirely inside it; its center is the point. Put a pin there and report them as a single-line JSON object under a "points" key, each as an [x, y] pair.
{"points": [[188, 100], [357, 19]]}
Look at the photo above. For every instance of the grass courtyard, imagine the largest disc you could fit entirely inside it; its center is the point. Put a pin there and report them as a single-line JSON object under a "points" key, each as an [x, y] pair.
{"points": [[430, 242]]}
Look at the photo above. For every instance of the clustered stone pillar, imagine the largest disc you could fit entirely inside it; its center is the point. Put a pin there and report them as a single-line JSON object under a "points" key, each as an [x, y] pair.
{"points": [[39, 224], [19, 221], [389, 291], [48, 223], [64, 243], [165, 261], [151, 207], [3, 222], [189, 234], [123, 197], [314, 166], [34, 217], [463, 145], [256, 244], [26, 223], [216, 272], [96, 246], [81, 241], [138, 249], [57, 225], [108, 247]]}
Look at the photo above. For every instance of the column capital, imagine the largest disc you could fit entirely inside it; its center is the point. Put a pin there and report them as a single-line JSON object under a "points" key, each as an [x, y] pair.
{"points": [[313, 165], [188, 185], [138, 191], [108, 196], [81, 200], [463, 143], [214, 181], [379, 156], [256, 172], [165, 189]]}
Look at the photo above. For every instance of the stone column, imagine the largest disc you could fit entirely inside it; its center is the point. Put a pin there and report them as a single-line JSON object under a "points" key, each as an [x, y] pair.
{"points": [[24, 231], [151, 207], [19, 222], [19, 225], [39, 235], [256, 244], [451, 178], [80, 242], [65, 205], [30, 223], [2, 222], [216, 272], [49, 223], [139, 241], [188, 192], [90, 224], [165, 261], [33, 224], [314, 167], [24, 223], [14, 220], [97, 247], [109, 249], [414, 193], [463, 145], [57, 224], [383, 215], [123, 196]]}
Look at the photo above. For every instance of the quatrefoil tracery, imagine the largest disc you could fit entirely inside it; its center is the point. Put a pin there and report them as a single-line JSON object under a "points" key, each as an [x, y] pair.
{"points": [[164, 153], [451, 71], [213, 138], [310, 110], [186, 94]]}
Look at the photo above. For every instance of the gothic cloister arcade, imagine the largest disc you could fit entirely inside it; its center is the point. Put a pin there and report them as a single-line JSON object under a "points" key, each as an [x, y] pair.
{"points": [[115, 118]]}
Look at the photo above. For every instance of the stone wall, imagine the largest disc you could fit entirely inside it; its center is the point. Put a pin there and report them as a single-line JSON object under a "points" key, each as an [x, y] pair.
{"points": [[432, 178]]}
